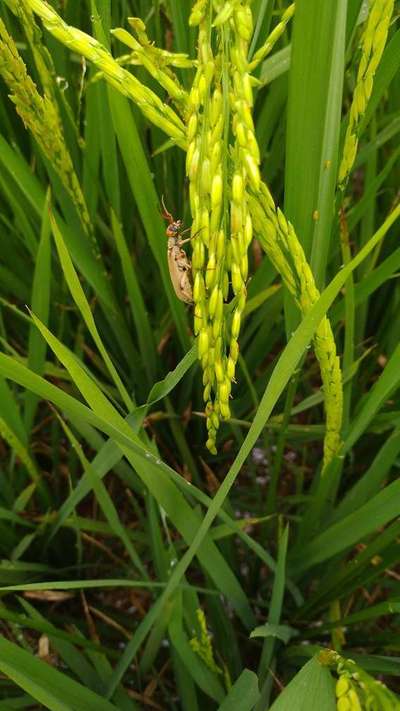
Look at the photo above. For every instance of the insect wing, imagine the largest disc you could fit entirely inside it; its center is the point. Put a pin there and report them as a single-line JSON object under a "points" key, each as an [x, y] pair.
{"points": [[180, 271]]}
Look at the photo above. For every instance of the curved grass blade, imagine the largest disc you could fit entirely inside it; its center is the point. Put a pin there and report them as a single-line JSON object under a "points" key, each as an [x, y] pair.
{"points": [[274, 616], [109, 456], [105, 502], [40, 304], [371, 481], [136, 302], [312, 688], [54, 690], [79, 248], [384, 507], [243, 695], [314, 111], [82, 303]]}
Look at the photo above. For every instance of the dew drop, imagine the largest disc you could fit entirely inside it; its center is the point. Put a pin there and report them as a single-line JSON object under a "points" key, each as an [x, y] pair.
{"points": [[62, 83]]}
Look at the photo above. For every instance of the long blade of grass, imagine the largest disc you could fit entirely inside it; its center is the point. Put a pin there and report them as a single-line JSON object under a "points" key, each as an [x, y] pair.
{"points": [[314, 110], [371, 481], [381, 509], [379, 393], [54, 690], [109, 456], [9, 410], [82, 303], [136, 302], [75, 660], [105, 502], [40, 304], [274, 616]]}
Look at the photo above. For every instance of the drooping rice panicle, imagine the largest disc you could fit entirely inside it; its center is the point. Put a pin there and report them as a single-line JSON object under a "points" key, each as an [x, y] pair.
{"points": [[218, 170], [372, 45], [157, 111], [47, 74], [155, 61], [41, 117], [248, 199], [205, 172], [283, 248]]}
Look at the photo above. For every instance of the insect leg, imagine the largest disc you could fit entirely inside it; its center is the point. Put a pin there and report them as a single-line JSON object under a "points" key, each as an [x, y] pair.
{"points": [[183, 241]]}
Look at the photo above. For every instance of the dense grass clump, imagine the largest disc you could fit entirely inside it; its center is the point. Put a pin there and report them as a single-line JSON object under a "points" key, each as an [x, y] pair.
{"points": [[199, 503]]}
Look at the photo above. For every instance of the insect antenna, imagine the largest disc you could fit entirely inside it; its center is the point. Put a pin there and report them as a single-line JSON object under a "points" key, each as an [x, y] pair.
{"points": [[165, 213]]}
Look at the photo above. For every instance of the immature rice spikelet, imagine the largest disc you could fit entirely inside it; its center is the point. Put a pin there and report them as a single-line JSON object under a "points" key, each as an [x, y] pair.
{"points": [[347, 698], [224, 230], [271, 40], [198, 12], [157, 111], [42, 56], [372, 45], [356, 690], [156, 61], [245, 159], [205, 171]]}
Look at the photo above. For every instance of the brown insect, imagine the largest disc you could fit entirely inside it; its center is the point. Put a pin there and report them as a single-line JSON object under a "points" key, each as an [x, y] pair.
{"points": [[180, 267]]}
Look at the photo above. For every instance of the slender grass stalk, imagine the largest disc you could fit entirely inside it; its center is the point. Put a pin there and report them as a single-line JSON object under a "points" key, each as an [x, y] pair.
{"points": [[20, 450]]}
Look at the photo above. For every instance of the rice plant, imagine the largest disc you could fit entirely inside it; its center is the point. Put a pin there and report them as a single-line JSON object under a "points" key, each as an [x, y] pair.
{"points": [[199, 365]]}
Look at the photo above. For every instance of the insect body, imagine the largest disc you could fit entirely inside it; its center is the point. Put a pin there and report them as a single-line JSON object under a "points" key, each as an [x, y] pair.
{"points": [[180, 267]]}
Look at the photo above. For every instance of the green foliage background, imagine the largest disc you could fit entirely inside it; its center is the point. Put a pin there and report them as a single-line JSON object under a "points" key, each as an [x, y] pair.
{"points": [[116, 524]]}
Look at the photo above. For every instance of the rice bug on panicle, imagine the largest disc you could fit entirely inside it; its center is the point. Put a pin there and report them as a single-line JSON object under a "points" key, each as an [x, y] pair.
{"points": [[180, 267]]}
